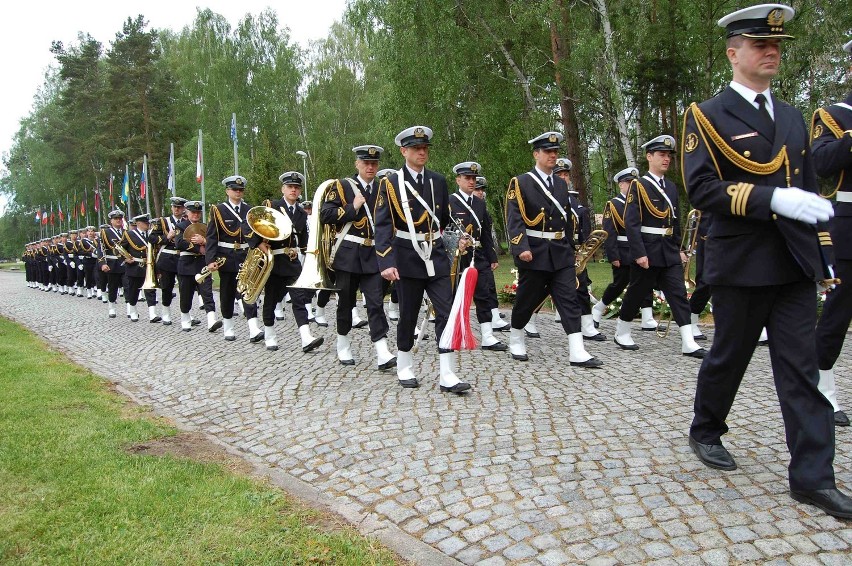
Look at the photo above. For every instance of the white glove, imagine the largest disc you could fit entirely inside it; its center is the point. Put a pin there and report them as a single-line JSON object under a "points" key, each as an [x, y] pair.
{"points": [[800, 205], [50, 268], [73, 265]]}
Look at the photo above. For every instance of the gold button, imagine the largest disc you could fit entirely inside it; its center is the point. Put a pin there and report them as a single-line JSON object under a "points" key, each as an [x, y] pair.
{"points": [[774, 217], [747, 153], [796, 171], [804, 151]]}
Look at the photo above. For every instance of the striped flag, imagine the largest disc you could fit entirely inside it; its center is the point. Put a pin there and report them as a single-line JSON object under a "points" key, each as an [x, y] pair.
{"points": [[199, 172], [125, 187]]}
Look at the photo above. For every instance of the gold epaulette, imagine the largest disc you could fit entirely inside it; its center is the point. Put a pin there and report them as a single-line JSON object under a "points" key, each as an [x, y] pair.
{"points": [[834, 128], [514, 193], [395, 202], [217, 216], [619, 221], [709, 134]]}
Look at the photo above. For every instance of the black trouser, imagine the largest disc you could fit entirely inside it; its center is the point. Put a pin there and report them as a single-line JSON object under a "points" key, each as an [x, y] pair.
{"points": [[61, 273], [701, 295], [187, 287], [410, 291], [114, 281], [836, 316], [323, 297], [620, 279], [167, 286], [485, 294], [89, 267], [71, 272], [534, 286], [81, 273], [583, 296], [131, 290], [789, 314], [228, 294], [273, 292], [371, 285], [643, 281], [103, 278]]}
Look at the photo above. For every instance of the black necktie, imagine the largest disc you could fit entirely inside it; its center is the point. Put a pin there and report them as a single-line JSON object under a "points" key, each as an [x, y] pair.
{"points": [[237, 209], [662, 182], [420, 181], [290, 208], [369, 188], [549, 182], [768, 122]]}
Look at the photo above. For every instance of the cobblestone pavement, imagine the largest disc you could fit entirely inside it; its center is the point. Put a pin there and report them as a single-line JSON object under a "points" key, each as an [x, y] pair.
{"points": [[540, 464]]}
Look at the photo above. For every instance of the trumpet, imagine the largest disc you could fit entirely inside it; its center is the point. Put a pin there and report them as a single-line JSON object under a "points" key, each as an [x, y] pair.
{"points": [[118, 249], [451, 246], [206, 272]]}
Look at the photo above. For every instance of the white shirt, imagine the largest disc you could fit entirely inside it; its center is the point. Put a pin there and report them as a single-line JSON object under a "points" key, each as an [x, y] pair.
{"points": [[365, 183], [544, 176], [750, 95], [414, 173]]}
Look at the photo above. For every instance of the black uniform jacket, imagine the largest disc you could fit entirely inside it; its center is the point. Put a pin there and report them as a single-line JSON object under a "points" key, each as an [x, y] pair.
{"points": [[831, 144], [337, 210], [109, 239], [188, 264], [136, 245], [484, 254], [731, 167], [286, 263], [528, 208], [647, 207], [583, 219], [613, 224], [398, 251], [167, 258], [225, 227]]}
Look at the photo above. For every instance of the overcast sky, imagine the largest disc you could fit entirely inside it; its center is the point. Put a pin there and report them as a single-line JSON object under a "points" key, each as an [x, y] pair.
{"points": [[31, 25]]}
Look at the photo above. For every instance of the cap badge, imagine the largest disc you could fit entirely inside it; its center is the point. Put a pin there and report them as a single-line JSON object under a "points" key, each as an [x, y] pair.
{"points": [[552, 138], [419, 133], [372, 151], [775, 18], [667, 141], [474, 167]]}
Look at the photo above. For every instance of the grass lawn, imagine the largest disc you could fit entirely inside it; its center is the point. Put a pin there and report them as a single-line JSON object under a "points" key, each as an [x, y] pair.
{"points": [[78, 488], [600, 274]]}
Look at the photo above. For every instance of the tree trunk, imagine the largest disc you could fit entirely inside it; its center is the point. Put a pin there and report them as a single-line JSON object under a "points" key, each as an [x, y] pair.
{"points": [[615, 85], [561, 50], [529, 101]]}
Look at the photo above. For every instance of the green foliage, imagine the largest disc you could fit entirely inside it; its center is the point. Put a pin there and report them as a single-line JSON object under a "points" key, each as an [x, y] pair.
{"points": [[73, 493], [480, 73]]}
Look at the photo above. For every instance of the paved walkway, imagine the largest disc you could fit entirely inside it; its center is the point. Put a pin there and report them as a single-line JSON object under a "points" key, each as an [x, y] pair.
{"points": [[540, 464]]}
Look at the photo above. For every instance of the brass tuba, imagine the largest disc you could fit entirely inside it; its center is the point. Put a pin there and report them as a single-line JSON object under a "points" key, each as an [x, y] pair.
{"points": [[150, 268], [316, 271], [587, 251], [269, 224]]}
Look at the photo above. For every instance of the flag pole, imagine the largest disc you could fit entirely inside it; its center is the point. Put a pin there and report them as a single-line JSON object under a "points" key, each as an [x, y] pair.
{"points": [[201, 171], [172, 183], [147, 182], [126, 189], [234, 137]]}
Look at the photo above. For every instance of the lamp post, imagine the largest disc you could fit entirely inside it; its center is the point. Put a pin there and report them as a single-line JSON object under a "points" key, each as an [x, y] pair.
{"points": [[304, 157]]}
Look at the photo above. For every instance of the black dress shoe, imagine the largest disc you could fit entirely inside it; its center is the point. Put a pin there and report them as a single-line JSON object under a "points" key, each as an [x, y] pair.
{"points": [[321, 324], [652, 329], [596, 338], [346, 362], [699, 353], [195, 322], [272, 348], [279, 318], [112, 316], [361, 324], [840, 419], [625, 346], [313, 345], [230, 338], [498, 347], [155, 319], [167, 323], [409, 383], [504, 328], [257, 337], [216, 326], [590, 363], [532, 334], [186, 329], [699, 338], [391, 363], [520, 357], [458, 388], [713, 455], [832, 501]]}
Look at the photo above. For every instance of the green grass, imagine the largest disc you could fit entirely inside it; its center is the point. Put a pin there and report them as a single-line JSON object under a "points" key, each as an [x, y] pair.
{"points": [[70, 492], [600, 273]]}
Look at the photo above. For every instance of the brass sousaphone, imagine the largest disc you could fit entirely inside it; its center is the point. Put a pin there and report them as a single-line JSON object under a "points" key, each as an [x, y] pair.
{"points": [[316, 271], [270, 225]]}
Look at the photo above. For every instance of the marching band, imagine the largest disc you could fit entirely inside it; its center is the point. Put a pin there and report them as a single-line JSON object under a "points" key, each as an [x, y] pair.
{"points": [[748, 163]]}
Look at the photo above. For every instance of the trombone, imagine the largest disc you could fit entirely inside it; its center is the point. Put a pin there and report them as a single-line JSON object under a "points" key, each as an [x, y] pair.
{"points": [[688, 246]]}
